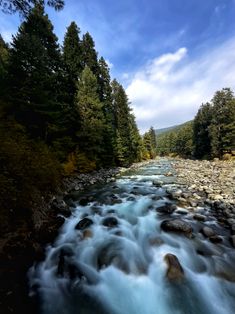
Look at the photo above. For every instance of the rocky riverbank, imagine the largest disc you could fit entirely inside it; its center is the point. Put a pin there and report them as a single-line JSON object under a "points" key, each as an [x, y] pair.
{"points": [[207, 185]]}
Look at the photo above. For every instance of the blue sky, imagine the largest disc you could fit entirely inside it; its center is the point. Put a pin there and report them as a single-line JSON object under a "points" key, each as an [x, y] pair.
{"points": [[171, 55]]}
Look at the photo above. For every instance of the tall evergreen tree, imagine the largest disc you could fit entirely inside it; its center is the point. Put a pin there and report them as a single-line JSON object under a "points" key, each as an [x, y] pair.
{"points": [[92, 118], [72, 55], [127, 135], [223, 122], [201, 137], [4, 55], [89, 54], [35, 76], [105, 95]]}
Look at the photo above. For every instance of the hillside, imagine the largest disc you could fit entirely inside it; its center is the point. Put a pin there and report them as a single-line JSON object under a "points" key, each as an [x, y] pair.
{"points": [[170, 128]]}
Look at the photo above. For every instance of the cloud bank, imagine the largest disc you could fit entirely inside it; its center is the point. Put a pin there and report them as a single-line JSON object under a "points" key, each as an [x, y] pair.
{"points": [[169, 89]]}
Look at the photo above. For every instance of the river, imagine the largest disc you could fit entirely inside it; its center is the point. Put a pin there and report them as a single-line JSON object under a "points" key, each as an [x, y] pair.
{"points": [[109, 257]]}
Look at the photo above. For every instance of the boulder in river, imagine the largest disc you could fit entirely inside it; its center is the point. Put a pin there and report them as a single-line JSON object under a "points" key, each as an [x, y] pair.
{"points": [[167, 208], [110, 222], [199, 217], [178, 226], [83, 224], [175, 271], [208, 232]]}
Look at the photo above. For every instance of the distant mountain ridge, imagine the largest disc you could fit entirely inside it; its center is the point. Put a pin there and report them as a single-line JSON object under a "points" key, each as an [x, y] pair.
{"points": [[171, 128]]}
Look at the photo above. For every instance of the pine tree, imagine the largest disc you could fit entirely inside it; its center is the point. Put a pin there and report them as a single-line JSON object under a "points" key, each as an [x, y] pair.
{"points": [[201, 136], [128, 141], [89, 54], [4, 55], [35, 76], [222, 117], [72, 56], [90, 111], [105, 95], [121, 121]]}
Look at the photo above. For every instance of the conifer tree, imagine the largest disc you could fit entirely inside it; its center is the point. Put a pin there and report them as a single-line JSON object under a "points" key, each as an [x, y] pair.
{"points": [[35, 75], [89, 54], [223, 121], [72, 52], [91, 114], [201, 137], [4, 55], [105, 95]]}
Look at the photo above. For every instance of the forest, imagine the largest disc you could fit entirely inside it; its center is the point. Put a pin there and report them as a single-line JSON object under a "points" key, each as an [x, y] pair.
{"points": [[60, 112], [211, 134]]}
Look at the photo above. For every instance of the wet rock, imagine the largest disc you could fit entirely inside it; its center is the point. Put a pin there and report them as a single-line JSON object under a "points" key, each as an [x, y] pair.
{"points": [[83, 224], [131, 198], [157, 183], [182, 211], [87, 234], [208, 232], [110, 222], [84, 201], [232, 228], [199, 217], [167, 208], [216, 239], [178, 226], [175, 271], [232, 240], [60, 206]]}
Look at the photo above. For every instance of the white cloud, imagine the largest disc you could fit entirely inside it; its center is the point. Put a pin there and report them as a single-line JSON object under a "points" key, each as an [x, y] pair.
{"points": [[169, 89]]}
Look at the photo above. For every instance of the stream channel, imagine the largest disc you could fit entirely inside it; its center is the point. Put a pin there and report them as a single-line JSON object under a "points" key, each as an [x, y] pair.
{"points": [[110, 255]]}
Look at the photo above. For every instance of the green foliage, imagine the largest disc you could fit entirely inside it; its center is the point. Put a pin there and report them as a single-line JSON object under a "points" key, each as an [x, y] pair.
{"points": [[4, 54], [25, 6], [89, 54], [214, 126], [90, 111], [35, 77], [149, 144], [177, 142], [28, 168], [127, 145]]}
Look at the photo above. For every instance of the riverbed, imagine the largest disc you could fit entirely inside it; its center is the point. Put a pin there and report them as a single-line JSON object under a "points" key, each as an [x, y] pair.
{"points": [[129, 247]]}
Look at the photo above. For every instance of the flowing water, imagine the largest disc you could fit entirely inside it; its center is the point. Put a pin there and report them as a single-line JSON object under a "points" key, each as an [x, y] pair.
{"points": [[119, 267]]}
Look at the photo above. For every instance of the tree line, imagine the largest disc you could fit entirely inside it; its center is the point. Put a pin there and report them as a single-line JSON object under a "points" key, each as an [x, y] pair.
{"points": [[210, 135], [60, 112]]}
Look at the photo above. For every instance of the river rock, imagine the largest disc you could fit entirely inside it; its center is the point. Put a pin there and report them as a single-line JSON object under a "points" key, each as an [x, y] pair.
{"points": [[84, 223], [199, 217], [87, 234], [157, 183], [216, 239], [167, 208], [232, 239], [208, 232], [178, 226], [175, 271], [110, 222]]}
